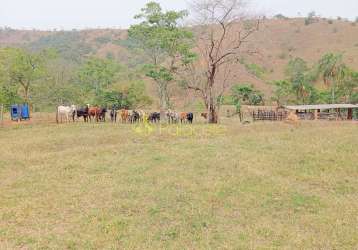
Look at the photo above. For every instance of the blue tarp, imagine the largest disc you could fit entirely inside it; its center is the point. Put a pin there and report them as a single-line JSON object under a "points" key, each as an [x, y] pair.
{"points": [[20, 112], [25, 112]]}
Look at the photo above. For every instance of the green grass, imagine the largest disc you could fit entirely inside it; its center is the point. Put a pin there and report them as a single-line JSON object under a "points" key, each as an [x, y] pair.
{"points": [[104, 186]]}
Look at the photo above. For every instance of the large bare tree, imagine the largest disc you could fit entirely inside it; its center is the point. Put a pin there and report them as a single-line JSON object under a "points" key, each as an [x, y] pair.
{"points": [[223, 30]]}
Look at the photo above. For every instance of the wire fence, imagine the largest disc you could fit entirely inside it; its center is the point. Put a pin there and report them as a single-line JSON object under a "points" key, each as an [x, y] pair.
{"points": [[269, 115]]}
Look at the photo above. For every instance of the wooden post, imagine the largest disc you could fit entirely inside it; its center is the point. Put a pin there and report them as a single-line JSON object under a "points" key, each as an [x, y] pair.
{"points": [[350, 114], [2, 115]]}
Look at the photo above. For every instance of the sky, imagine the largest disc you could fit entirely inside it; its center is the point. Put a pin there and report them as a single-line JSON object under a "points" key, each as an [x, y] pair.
{"points": [[81, 14]]}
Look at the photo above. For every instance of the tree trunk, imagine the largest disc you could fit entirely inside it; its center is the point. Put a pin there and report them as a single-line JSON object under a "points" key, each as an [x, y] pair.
{"points": [[26, 93], [164, 100], [213, 116], [212, 109]]}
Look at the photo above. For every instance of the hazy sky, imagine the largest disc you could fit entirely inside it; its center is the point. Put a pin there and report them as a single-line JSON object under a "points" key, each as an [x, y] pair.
{"points": [[68, 14]]}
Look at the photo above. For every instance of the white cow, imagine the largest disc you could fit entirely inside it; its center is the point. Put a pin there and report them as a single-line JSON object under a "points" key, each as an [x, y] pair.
{"points": [[66, 112]]}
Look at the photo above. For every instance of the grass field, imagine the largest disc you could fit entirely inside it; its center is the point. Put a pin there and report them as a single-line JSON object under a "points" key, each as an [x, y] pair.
{"points": [[104, 186]]}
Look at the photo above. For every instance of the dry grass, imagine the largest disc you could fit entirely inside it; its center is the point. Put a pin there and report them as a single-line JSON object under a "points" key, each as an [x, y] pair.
{"points": [[104, 186]]}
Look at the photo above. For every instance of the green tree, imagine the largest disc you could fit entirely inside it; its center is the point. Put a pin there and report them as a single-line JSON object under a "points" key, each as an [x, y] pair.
{"points": [[246, 94], [97, 74], [348, 88], [299, 76], [333, 71], [165, 43], [282, 92], [26, 68]]}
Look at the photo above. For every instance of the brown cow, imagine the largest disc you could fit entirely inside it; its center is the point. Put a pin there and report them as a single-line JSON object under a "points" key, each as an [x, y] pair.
{"points": [[124, 115], [183, 117], [94, 112]]}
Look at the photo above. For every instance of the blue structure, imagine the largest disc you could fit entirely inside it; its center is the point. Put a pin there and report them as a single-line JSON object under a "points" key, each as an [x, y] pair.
{"points": [[20, 112], [25, 112], [15, 112]]}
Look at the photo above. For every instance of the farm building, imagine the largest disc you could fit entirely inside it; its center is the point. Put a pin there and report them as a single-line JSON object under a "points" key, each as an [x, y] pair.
{"points": [[324, 111]]}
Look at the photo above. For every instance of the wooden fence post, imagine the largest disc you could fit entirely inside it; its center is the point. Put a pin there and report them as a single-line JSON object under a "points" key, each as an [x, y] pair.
{"points": [[2, 115]]}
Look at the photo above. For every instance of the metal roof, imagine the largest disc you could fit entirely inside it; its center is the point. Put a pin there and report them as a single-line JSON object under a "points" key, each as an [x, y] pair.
{"points": [[321, 106]]}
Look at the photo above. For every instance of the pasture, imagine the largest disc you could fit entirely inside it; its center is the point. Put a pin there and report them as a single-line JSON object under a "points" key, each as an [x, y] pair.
{"points": [[113, 186]]}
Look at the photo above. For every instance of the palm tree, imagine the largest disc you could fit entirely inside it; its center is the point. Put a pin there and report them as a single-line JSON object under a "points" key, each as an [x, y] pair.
{"points": [[333, 70]]}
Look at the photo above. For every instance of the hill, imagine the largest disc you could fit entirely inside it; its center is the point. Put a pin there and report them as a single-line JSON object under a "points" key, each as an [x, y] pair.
{"points": [[278, 41]]}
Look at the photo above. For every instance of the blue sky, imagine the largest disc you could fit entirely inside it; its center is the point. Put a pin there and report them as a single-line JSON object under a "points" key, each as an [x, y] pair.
{"points": [[69, 14]]}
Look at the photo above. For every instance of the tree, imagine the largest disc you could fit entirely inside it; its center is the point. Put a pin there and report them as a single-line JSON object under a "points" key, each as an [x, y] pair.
{"points": [[299, 76], [97, 74], [282, 92], [348, 89], [311, 18], [223, 30], [165, 43], [333, 70], [246, 94], [25, 68]]}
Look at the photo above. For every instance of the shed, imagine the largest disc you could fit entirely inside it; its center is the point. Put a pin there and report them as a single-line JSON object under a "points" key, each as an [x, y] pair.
{"points": [[319, 108]]}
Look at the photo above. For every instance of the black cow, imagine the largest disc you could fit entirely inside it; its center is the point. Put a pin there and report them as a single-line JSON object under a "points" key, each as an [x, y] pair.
{"points": [[82, 112], [190, 117], [134, 117], [114, 114], [154, 117], [102, 114]]}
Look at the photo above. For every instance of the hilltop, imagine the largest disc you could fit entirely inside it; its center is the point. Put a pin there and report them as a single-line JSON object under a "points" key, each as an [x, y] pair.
{"points": [[277, 42]]}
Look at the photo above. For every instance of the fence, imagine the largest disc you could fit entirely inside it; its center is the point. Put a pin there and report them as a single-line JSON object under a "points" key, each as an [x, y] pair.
{"points": [[265, 115]]}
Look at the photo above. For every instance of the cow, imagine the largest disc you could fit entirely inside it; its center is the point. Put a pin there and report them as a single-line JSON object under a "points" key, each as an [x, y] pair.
{"points": [[96, 113], [154, 117], [142, 115], [102, 114], [134, 118], [113, 114], [67, 112], [183, 117], [124, 115], [190, 117], [82, 112], [173, 117]]}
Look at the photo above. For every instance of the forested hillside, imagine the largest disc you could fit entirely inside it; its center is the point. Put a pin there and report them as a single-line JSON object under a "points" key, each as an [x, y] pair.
{"points": [[81, 53]]}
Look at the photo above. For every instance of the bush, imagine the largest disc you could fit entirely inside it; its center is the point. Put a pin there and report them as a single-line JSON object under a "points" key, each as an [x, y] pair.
{"points": [[330, 21], [311, 18], [280, 16], [282, 56]]}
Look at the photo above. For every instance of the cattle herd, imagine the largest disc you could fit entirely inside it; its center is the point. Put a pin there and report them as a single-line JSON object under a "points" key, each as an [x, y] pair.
{"points": [[89, 114]]}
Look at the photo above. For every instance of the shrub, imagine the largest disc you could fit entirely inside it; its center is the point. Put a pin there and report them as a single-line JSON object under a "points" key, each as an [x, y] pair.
{"points": [[255, 69], [280, 16], [330, 21], [311, 18], [282, 56]]}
